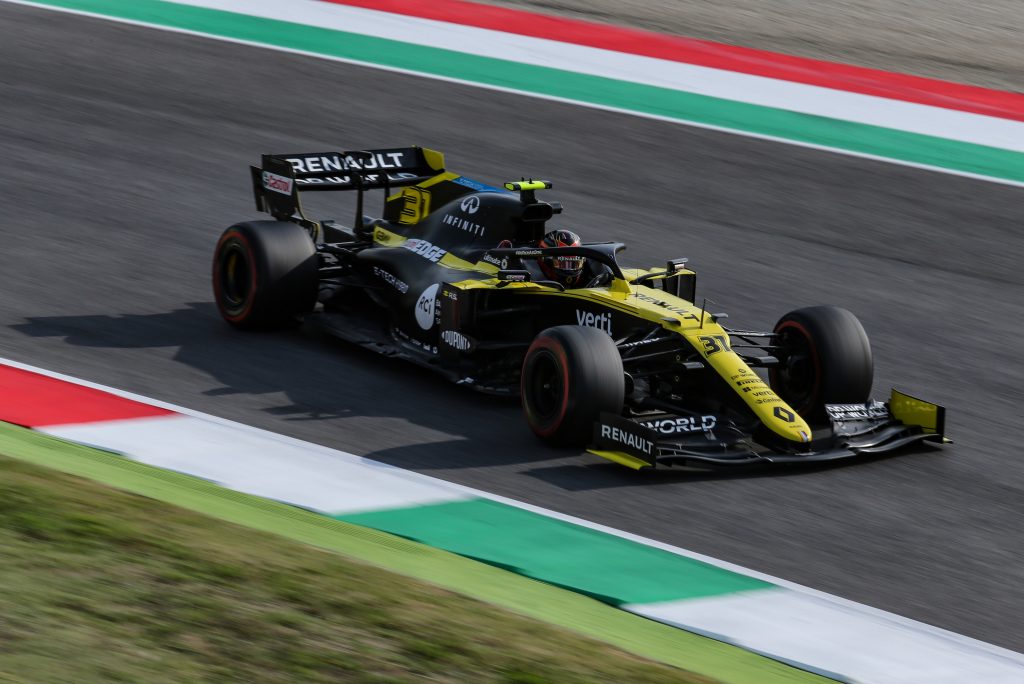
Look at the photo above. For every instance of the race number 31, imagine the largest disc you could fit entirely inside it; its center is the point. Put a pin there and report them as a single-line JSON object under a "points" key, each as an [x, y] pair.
{"points": [[714, 344]]}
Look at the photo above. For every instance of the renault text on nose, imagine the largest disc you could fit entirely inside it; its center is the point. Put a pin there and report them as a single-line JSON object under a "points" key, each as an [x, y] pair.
{"points": [[637, 442], [602, 321]]}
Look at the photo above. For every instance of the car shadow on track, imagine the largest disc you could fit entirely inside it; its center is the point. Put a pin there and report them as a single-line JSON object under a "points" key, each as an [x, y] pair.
{"points": [[602, 475], [315, 387], [308, 385]]}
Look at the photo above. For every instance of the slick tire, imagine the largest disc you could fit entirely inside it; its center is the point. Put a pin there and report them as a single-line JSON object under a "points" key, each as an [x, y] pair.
{"points": [[264, 274], [570, 376], [825, 358]]}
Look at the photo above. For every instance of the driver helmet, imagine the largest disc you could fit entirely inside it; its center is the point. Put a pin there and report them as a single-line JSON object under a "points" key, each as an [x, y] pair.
{"points": [[563, 269]]}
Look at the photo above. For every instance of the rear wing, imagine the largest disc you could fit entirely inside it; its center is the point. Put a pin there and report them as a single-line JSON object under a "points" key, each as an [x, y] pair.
{"points": [[279, 178]]}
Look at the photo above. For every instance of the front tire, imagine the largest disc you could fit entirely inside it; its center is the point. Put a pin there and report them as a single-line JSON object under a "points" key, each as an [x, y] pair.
{"points": [[825, 358], [264, 274], [570, 376]]}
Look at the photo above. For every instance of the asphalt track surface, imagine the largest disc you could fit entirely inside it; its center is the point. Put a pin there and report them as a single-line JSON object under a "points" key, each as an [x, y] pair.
{"points": [[124, 154]]}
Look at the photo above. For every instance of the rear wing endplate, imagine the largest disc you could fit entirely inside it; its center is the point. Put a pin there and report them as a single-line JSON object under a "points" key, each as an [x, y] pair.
{"points": [[279, 177]]}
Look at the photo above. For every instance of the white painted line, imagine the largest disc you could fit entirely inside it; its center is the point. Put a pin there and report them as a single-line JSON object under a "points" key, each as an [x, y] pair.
{"points": [[513, 91], [263, 464]]}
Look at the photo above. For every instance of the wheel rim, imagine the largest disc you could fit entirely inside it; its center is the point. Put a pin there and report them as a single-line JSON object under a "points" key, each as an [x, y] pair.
{"points": [[797, 374], [546, 391]]}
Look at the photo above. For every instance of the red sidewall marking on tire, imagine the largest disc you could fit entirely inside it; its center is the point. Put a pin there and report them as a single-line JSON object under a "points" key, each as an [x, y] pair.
{"points": [[237, 318], [814, 356], [559, 353]]}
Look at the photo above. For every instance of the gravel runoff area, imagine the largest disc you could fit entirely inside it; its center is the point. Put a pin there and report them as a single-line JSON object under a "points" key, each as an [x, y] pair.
{"points": [[980, 42]]}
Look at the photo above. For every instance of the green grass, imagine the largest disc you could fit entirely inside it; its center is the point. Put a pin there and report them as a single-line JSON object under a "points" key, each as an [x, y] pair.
{"points": [[99, 585], [497, 588]]}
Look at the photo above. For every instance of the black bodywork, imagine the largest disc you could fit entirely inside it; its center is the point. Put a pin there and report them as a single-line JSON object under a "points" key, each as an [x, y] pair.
{"points": [[437, 280]]}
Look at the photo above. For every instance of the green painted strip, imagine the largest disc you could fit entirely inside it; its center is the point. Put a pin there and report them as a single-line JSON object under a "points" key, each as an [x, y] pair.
{"points": [[606, 567], [525, 596], [815, 130]]}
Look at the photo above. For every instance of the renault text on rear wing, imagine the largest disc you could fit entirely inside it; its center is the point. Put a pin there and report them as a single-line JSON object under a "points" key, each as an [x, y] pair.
{"points": [[279, 177]]}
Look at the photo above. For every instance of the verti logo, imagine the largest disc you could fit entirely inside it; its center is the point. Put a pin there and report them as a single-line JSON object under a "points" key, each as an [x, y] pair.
{"points": [[471, 204], [588, 319]]}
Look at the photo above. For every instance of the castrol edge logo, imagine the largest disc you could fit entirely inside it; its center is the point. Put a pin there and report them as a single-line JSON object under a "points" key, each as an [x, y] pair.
{"points": [[276, 183]]}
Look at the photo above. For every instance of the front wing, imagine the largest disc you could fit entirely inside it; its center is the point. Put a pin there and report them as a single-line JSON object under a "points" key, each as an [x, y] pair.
{"points": [[856, 430]]}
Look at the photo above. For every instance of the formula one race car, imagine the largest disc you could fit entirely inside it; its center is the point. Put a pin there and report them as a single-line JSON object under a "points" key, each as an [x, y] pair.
{"points": [[622, 360]]}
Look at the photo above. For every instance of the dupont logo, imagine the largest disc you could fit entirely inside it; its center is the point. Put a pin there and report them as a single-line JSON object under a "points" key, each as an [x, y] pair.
{"points": [[276, 183], [456, 340]]}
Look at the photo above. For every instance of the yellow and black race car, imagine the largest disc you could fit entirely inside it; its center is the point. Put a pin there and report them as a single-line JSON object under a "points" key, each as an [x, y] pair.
{"points": [[622, 360]]}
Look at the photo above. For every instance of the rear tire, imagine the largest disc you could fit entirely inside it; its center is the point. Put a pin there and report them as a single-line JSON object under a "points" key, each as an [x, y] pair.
{"points": [[264, 274], [570, 376], [825, 359]]}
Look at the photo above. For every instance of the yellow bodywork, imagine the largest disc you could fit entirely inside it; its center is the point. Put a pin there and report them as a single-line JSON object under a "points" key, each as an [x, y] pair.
{"points": [[621, 458], [913, 411], [414, 200], [433, 158], [710, 340], [672, 313], [528, 185]]}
